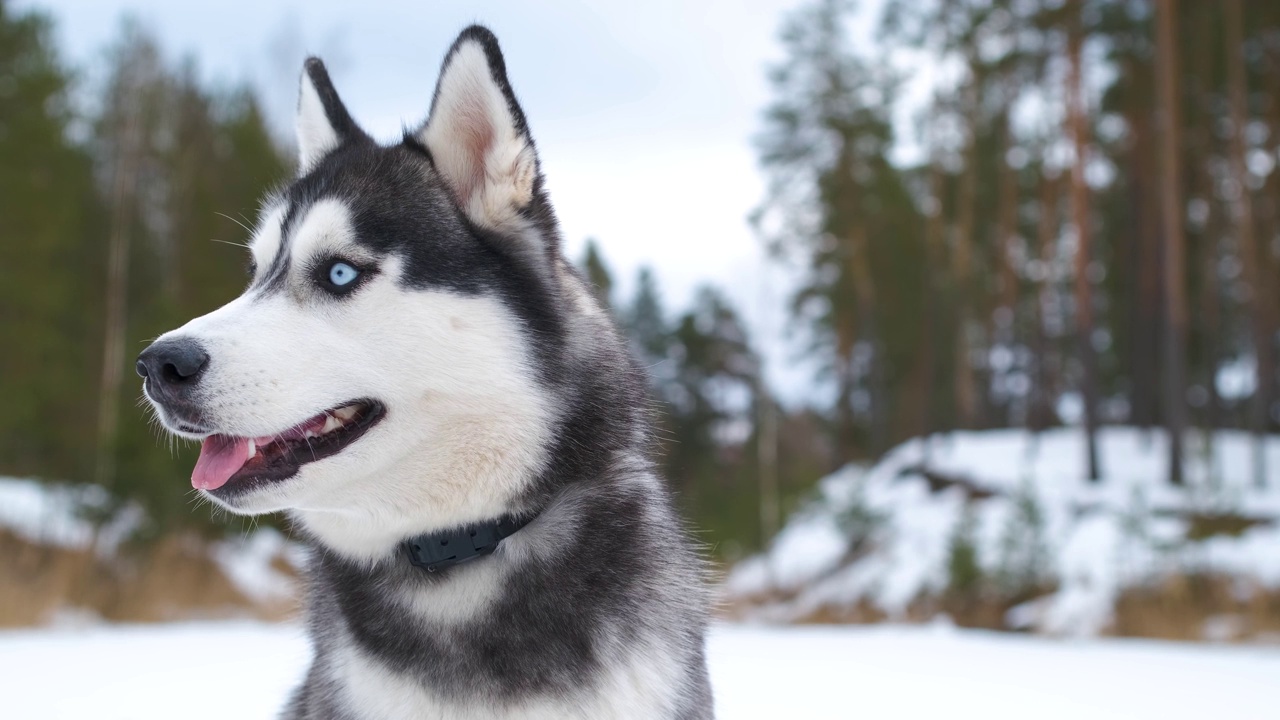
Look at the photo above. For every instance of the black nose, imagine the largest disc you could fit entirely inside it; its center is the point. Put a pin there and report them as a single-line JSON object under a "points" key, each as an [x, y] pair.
{"points": [[172, 364]]}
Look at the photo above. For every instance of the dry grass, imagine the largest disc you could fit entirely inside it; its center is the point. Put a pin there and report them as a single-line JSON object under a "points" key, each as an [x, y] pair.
{"points": [[173, 579], [1200, 607], [1202, 526], [862, 613], [1186, 607]]}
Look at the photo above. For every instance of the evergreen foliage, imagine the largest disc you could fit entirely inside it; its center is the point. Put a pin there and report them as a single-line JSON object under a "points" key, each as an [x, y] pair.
{"points": [[1020, 268], [965, 579], [597, 274], [169, 172], [1017, 269], [1023, 567], [48, 212]]}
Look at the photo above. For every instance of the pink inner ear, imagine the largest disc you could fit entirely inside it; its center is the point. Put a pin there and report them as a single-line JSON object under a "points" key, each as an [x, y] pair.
{"points": [[475, 134]]}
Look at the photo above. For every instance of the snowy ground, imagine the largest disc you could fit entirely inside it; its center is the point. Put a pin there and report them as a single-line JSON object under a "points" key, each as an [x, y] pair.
{"points": [[243, 670], [1092, 539]]}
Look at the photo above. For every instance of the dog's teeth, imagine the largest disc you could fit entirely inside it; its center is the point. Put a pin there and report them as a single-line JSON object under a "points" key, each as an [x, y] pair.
{"points": [[331, 423], [345, 413], [253, 449]]}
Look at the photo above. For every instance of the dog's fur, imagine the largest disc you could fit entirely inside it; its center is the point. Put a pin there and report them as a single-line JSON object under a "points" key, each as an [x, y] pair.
{"points": [[507, 391]]}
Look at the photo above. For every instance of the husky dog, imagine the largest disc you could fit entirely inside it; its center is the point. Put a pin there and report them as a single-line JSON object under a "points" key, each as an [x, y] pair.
{"points": [[444, 410]]}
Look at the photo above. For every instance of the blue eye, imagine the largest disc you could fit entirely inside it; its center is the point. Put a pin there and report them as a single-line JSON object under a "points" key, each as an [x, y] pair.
{"points": [[341, 274]]}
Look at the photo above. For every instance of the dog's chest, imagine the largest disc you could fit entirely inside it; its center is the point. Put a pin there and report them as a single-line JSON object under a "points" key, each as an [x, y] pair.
{"points": [[640, 687]]}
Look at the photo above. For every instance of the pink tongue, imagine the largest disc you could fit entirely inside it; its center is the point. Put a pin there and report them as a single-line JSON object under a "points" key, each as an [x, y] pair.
{"points": [[220, 458]]}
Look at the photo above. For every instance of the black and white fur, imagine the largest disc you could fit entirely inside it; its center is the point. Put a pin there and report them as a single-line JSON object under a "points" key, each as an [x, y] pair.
{"points": [[507, 389]]}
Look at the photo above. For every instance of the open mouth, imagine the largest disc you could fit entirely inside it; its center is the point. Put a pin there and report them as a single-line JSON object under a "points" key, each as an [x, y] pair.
{"points": [[230, 464]]}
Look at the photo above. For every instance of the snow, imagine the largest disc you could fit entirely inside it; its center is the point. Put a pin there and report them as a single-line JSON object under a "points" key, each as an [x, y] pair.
{"points": [[245, 670], [1097, 538]]}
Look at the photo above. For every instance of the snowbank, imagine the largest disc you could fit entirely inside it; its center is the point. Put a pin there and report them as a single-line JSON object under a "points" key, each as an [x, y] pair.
{"points": [[884, 535], [56, 515]]}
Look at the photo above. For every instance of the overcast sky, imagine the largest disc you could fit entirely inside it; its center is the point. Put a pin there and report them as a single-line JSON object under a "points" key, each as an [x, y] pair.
{"points": [[643, 112]]}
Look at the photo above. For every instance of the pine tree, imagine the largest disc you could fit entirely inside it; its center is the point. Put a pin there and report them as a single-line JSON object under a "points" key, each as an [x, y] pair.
{"points": [[597, 272], [183, 169], [645, 323], [1175, 245], [48, 213], [1253, 266], [711, 416], [132, 111], [1077, 115], [839, 209]]}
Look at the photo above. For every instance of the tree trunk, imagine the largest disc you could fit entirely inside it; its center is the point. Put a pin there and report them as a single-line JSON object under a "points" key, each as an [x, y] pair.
{"points": [[966, 383], [860, 270], [1041, 412], [113, 349], [1004, 319], [1007, 218], [767, 456], [1174, 245], [1267, 213], [845, 385], [1147, 312], [934, 258], [1258, 296], [1078, 119], [1210, 320]]}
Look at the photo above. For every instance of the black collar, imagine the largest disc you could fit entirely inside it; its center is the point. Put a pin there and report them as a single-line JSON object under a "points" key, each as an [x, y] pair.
{"points": [[438, 551]]}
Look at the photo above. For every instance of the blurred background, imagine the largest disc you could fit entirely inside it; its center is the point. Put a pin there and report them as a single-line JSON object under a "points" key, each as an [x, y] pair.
{"points": [[959, 313]]}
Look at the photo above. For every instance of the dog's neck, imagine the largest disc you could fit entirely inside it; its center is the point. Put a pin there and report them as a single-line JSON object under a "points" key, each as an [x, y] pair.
{"points": [[471, 478], [368, 540]]}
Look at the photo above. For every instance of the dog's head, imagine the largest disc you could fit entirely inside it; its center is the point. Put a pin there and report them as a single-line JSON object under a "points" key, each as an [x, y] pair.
{"points": [[387, 367]]}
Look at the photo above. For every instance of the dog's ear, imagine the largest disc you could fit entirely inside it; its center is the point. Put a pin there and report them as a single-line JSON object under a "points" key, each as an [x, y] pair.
{"points": [[477, 135], [323, 123]]}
